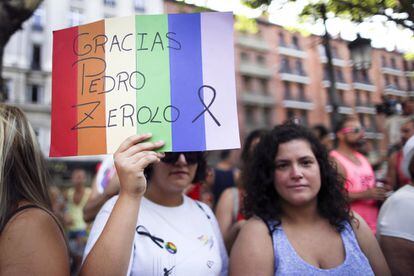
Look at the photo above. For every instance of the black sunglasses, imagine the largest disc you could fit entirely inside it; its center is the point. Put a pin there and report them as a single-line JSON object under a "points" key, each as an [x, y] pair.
{"points": [[191, 157]]}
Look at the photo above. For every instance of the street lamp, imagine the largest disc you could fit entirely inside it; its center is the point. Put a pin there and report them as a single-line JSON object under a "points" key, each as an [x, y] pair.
{"points": [[360, 49]]}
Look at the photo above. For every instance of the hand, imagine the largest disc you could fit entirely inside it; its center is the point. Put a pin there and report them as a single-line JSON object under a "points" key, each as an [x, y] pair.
{"points": [[131, 158], [377, 193]]}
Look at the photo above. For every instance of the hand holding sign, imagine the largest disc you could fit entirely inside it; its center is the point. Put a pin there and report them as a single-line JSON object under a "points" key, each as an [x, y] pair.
{"points": [[170, 75]]}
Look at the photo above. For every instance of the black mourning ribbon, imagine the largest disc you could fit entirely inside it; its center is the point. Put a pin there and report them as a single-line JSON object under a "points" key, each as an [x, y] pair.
{"points": [[206, 108], [145, 232]]}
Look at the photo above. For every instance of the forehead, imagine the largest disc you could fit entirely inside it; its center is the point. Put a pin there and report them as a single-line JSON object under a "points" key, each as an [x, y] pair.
{"points": [[408, 124], [294, 149]]}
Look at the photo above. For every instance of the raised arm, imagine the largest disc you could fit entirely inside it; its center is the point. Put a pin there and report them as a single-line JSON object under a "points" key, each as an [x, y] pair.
{"points": [[111, 253]]}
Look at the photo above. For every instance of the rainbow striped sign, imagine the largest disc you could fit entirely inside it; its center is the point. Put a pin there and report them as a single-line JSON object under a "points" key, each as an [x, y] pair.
{"points": [[171, 75]]}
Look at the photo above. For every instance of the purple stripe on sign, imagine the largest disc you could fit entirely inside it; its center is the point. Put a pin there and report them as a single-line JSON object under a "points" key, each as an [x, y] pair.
{"points": [[186, 79]]}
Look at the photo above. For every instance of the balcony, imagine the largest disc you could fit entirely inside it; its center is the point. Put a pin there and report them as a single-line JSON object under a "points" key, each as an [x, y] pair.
{"points": [[394, 90], [335, 61], [392, 71], [255, 70], [294, 76], [363, 85], [291, 51], [365, 108], [251, 98], [298, 103], [253, 43], [341, 84], [342, 109]]}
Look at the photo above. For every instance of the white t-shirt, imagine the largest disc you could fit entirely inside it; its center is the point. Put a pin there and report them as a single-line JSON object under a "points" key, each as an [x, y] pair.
{"points": [[182, 240], [396, 217]]}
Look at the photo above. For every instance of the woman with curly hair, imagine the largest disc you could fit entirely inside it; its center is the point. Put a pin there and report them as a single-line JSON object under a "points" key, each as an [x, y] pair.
{"points": [[300, 223]]}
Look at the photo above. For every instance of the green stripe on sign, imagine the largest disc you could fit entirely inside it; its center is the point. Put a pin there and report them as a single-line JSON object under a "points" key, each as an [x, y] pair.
{"points": [[152, 60]]}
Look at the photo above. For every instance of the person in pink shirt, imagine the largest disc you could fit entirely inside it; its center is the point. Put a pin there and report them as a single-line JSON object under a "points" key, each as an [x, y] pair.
{"points": [[360, 178]]}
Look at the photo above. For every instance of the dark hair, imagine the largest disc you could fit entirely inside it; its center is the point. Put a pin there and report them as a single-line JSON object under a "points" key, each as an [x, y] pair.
{"points": [[246, 151], [199, 176], [320, 131], [342, 121], [224, 154], [262, 199]]}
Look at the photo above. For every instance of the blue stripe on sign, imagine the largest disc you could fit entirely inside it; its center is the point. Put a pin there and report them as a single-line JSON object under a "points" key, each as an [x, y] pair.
{"points": [[186, 77]]}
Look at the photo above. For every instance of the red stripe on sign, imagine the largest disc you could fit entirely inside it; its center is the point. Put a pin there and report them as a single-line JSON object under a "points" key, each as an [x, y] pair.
{"points": [[64, 140]]}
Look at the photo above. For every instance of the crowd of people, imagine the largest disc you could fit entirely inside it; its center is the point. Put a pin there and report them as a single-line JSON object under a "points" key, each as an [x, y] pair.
{"points": [[294, 202]]}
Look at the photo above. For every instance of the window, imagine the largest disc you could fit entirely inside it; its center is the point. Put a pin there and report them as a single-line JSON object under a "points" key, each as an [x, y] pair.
{"points": [[285, 66], [288, 93], [7, 89], [34, 94], [244, 56], [282, 41], [110, 3], [358, 98], [290, 114], [295, 42], [260, 59], [409, 85], [393, 63], [386, 80], [335, 52], [263, 86], [247, 83], [384, 61], [301, 92], [369, 100], [75, 17], [397, 82], [36, 50], [341, 98], [364, 75], [249, 115], [139, 5], [299, 67], [304, 118], [38, 18], [339, 75], [267, 117]]}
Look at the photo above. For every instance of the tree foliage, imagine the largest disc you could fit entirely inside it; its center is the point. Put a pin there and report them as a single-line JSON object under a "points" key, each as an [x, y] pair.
{"points": [[12, 15], [399, 11]]}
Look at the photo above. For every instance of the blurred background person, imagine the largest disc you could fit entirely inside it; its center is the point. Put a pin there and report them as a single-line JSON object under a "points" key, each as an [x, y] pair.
{"points": [[229, 208], [76, 226], [225, 174], [322, 133], [396, 221], [395, 176], [32, 241], [299, 219], [357, 171]]}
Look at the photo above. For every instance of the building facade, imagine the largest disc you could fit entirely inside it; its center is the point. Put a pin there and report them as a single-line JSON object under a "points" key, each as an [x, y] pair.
{"points": [[283, 75]]}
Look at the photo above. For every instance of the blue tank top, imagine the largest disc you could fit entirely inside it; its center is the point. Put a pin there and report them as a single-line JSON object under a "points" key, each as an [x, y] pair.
{"points": [[288, 262]]}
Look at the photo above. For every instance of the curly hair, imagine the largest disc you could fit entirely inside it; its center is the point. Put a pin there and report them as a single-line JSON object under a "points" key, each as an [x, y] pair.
{"points": [[262, 199]]}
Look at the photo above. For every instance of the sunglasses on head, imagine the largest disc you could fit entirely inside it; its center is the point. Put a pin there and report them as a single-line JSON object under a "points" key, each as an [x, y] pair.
{"points": [[191, 157], [352, 130]]}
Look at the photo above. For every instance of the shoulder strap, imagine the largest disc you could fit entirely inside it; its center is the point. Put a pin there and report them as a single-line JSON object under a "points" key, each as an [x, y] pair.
{"points": [[18, 210], [235, 191], [202, 209]]}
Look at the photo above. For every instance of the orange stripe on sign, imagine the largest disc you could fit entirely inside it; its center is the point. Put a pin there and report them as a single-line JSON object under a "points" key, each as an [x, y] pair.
{"points": [[91, 85]]}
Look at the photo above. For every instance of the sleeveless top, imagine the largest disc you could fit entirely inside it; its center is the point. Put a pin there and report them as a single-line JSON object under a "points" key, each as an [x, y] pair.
{"points": [[360, 178], [288, 262], [223, 179], [237, 215]]}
